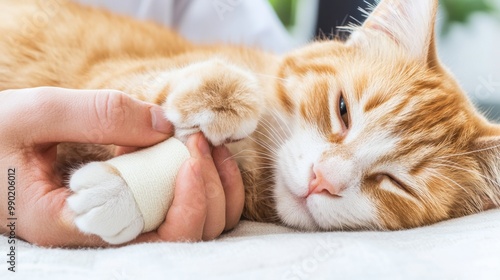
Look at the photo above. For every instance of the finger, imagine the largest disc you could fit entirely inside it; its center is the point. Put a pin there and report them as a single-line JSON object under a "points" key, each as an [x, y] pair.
{"points": [[121, 150], [186, 217], [232, 183], [50, 223], [214, 193], [90, 116]]}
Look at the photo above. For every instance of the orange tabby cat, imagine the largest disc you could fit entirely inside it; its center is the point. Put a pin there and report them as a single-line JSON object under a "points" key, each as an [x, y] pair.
{"points": [[372, 133]]}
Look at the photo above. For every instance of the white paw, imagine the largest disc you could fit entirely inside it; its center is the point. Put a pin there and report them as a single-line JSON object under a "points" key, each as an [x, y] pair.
{"points": [[220, 100], [104, 204], [218, 128]]}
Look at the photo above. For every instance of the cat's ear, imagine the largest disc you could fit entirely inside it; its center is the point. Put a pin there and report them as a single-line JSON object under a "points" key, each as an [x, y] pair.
{"points": [[410, 23]]}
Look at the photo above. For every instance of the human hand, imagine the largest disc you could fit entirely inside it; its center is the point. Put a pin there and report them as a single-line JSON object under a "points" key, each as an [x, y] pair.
{"points": [[29, 140]]}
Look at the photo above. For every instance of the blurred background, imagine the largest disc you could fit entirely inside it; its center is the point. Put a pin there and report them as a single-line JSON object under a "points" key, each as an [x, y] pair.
{"points": [[468, 37]]}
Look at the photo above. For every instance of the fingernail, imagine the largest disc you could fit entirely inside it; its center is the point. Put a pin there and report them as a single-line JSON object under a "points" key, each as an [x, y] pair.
{"points": [[203, 146], [159, 121]]}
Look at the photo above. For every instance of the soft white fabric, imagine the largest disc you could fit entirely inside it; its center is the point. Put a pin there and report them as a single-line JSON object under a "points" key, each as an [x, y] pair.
{"points": [[249, 22], [150, 174], [465, 248]]}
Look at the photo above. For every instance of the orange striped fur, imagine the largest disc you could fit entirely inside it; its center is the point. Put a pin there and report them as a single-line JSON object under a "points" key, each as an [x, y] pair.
{"points": [[410, 151]]}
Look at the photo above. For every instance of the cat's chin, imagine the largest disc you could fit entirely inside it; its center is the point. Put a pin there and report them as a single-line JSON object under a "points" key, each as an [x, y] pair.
{"points": [[301, 212], [351, 211], [293, 209]]}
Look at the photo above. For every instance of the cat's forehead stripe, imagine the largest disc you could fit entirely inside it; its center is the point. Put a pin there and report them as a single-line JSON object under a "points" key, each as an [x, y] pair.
{"points": [[283, 98], [375, 100]]}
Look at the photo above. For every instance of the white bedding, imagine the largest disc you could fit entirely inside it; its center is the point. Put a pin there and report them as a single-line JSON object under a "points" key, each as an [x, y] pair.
{"points": [[465, 248]]}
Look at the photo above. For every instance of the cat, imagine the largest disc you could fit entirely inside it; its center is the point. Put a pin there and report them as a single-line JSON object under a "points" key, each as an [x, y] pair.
{"points": [[371, 133]]}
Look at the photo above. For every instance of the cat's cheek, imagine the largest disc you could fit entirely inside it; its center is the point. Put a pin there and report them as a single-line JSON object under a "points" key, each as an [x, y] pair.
{"points": [[292, 182], [351, 211], [292, 210]]}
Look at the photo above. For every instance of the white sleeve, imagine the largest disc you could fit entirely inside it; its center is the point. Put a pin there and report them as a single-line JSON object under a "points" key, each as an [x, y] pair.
{"points": [[161, 11], [248, 22]]}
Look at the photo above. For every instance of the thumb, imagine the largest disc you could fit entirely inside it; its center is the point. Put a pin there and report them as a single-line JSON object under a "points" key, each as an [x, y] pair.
{"points": [[92, 116]]}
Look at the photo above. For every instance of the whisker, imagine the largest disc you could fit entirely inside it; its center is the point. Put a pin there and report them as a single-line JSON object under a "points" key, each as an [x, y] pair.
{"points": [[441, 176], [275, 114], [255, 156], [471, 152], [265, 145], [276, 137], [454, 165], [270, 76]]}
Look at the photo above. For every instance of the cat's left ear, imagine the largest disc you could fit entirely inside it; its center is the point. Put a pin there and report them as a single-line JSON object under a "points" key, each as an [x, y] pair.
{"points": [[410, 23]]}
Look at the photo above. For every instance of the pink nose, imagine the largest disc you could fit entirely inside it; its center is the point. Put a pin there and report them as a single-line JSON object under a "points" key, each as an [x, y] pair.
{"points": [[319, 184]]}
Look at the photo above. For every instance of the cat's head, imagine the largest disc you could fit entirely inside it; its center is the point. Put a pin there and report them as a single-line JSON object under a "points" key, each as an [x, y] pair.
{"points": [[383, 135]]}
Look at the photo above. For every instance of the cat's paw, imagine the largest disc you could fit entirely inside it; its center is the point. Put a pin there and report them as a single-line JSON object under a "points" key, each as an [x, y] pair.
{"points": [[220, 100], [103, 204]]}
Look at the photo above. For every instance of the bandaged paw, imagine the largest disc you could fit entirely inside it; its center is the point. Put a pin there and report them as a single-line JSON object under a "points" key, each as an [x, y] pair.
{"points": [[124, 196]]}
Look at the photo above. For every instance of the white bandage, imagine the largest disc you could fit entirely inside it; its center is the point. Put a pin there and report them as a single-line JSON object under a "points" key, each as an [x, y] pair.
{"points": [[150, 174]]}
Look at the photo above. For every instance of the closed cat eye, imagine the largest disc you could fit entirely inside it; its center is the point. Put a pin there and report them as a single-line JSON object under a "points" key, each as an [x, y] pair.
{"points": [[343, 112], [396, 182]]}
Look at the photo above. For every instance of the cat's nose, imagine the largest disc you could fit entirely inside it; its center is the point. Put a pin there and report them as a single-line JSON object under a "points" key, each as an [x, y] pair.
{"points": [[319, 184]]}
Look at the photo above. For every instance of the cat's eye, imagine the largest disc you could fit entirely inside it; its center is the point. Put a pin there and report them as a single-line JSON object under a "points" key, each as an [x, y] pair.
{"points": [[344, 114], [397, 183]]}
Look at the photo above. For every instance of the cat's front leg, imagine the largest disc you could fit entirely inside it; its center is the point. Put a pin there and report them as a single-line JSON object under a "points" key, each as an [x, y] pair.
{"points": [[221, 100]]}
